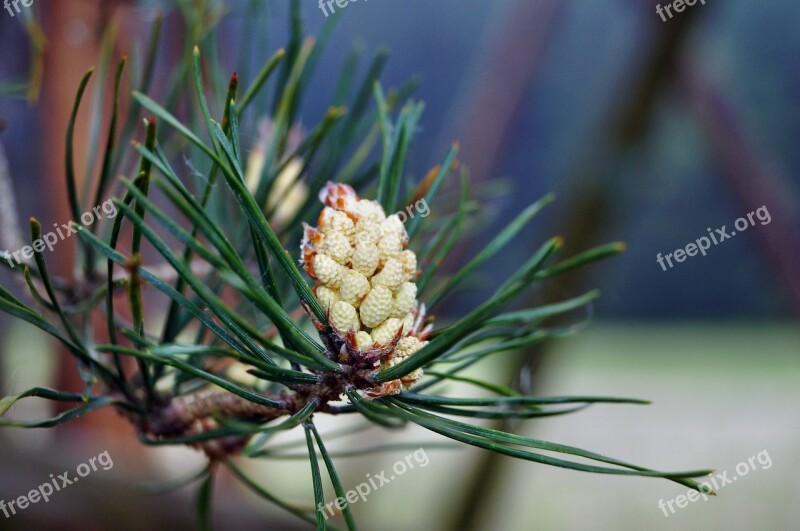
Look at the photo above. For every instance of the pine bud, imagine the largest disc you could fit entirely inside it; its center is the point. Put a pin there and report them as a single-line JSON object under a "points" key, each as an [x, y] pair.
{"points": [[365, 279]]}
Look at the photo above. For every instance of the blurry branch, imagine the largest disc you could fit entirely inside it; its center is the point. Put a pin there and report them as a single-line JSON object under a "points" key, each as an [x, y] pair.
{"points": [[501, 78], [754, 179], [596, 182], [10, 235], [598, 176], [483, 124]]}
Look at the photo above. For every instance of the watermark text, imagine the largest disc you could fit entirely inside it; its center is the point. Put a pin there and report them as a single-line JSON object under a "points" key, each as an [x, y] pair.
{"points": [[703, 243], [716, 482], [60, 233], [677, 5], [363, 490], [55, 484]]}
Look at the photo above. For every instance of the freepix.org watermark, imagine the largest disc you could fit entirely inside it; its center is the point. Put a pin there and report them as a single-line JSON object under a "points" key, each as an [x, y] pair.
{"points": [[55, 484], [61, 233], [7, 4], [328, 7], [703, 243], [712, 485], [420, 207], [363, 490], [677, 5]]}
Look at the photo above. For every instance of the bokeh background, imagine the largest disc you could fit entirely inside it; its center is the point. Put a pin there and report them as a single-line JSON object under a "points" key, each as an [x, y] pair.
{"points": [[648, 132]]}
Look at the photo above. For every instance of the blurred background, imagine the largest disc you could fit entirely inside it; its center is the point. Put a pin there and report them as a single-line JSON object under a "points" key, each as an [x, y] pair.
{"points": [[649, 131]]}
